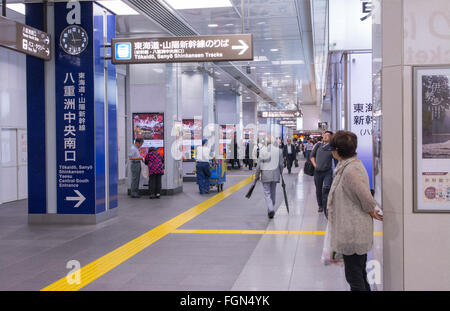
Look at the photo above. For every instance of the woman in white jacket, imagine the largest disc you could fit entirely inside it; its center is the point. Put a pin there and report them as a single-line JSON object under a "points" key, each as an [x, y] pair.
{"points": [[270, 164]]}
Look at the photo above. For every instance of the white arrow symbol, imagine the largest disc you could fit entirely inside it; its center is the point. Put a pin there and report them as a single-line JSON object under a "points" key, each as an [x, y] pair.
{"points": [[243, 47], [48, 53], [80, 198], [46, 40]]}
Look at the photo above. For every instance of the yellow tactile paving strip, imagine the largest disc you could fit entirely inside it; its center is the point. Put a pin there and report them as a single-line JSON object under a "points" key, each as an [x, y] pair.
{"points": [[194, 231], [102, 265]]}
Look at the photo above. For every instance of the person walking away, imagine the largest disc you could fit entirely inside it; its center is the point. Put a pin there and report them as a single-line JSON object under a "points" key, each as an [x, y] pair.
{"points": [[290, 154], [351, 209], [135, 166], [270, 163], [297, 151], [309, 148], [155, 165], [322, 159], [247, 156], [202, 167]]}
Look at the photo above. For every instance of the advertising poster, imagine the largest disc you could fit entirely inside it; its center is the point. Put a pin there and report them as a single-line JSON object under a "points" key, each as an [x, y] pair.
{"points": [[191, 129], [432, 133], [150, 127], [361, 108], [226, 139]]}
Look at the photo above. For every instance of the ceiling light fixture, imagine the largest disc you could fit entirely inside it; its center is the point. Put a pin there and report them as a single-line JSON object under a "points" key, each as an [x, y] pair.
{"points": [[17, 7], [118, 7], [274, 50], [213, 25], [198, 4]]}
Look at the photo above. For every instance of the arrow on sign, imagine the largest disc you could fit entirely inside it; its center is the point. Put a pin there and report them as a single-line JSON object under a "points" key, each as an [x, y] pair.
{"points": [[46, 40], [243, 47], [48, 53], [80, 198]]}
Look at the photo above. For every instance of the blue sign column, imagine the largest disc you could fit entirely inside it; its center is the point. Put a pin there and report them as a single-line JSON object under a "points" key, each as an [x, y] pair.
{"points": [[85, 112], [80, 110]]}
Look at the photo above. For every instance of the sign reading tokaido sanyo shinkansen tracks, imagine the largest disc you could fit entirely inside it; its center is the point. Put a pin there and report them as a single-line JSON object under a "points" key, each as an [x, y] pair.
{"points": [[25, 39], [280, 114], [182, 49]]}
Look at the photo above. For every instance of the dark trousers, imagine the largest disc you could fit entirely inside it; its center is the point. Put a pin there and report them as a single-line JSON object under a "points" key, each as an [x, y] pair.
{"points": [[307, 154], [355, 272], [135, 176], [203, 174], [289, 161], [154, 184], [235, 161], [323, 182], [250, 164]]}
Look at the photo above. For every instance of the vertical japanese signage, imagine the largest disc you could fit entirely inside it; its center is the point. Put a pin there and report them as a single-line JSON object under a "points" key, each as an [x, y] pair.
{"points": [[432, 139], [75, 130], [361, 108]]}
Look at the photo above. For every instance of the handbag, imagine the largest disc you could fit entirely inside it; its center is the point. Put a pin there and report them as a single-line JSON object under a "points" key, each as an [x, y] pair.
{"points": [[309, 168]]}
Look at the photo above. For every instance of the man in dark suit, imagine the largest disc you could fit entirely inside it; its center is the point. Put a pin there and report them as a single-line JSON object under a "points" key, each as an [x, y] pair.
{"points": [[290, 154]]}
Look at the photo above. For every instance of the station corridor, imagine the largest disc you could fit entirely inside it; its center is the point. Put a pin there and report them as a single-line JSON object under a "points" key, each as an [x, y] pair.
{"points": [[223, 241]]}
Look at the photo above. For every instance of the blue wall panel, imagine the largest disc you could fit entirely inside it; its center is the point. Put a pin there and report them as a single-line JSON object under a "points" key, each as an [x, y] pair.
{"points": [[112, 119], [37, 190], [99, 104]]}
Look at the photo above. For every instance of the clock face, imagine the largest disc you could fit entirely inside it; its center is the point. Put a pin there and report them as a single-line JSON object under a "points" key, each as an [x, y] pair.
{"points": [[73, 40]]}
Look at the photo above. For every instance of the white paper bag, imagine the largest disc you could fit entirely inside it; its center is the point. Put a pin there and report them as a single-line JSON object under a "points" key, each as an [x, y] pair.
{"points": [[144, 171]]}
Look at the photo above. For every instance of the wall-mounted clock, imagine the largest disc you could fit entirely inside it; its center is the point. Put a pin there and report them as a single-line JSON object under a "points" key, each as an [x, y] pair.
{"points": [[73, 40]]}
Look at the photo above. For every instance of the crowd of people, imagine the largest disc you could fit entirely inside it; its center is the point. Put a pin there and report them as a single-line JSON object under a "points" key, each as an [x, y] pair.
{"points": [[342, 187]]}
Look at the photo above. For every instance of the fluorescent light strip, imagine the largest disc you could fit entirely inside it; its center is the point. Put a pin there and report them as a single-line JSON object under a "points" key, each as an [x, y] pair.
{"points": [[118, 7], [17, 7], [198, 4]]}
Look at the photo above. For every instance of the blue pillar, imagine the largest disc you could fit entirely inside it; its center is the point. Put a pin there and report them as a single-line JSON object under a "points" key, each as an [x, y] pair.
{"points": [[37, 193], [85, 116]]}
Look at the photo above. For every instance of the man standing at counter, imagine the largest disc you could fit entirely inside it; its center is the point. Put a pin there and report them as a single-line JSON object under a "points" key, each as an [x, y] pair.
{"points": [[135, 165]]}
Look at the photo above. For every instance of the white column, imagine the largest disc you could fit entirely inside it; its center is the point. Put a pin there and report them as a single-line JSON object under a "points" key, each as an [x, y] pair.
{"points": [[172, 123], [416, 252]]}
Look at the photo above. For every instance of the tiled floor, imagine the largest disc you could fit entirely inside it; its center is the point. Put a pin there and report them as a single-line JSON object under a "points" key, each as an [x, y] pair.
{"points": [[32, 257]]}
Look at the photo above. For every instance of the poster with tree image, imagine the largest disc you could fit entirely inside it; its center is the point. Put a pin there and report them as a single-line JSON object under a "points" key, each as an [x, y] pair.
{"points": [[436, 117], [432, 139]]}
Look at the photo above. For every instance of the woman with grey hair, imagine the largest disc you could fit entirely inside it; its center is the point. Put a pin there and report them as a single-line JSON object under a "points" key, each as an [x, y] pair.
{"points": [[351, 208], [270, 164]]}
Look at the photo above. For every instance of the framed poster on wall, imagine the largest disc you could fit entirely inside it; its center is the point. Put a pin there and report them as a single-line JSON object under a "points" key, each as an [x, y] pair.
{"points": [[191, 139], [432, 139], [150, 127]]}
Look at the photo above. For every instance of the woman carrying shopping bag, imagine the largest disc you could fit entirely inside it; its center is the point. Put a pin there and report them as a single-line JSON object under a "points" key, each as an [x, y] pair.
{"points": [[351, 210], [155, 165]]}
